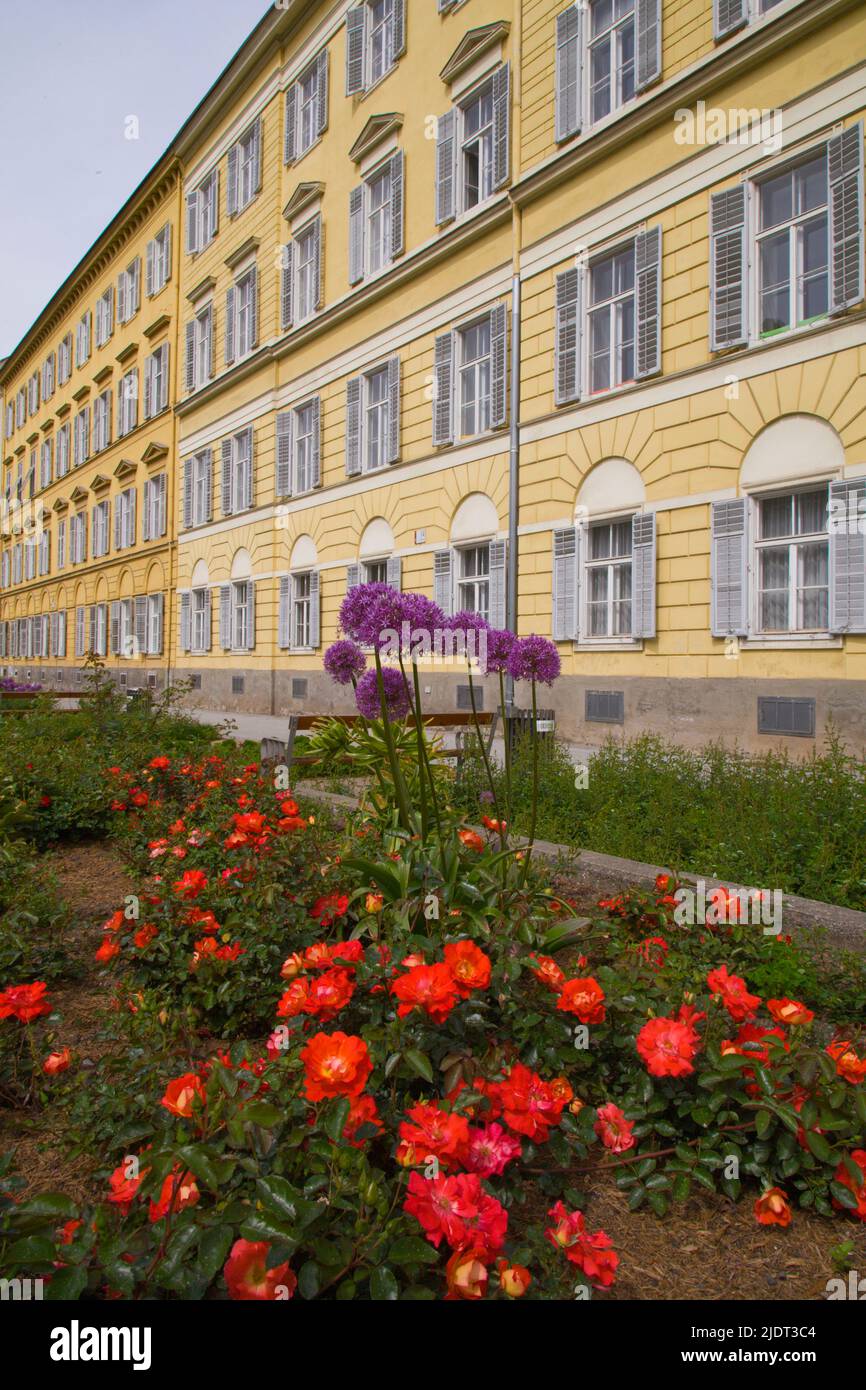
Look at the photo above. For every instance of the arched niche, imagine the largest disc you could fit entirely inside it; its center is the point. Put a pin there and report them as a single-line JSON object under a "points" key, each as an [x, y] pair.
{"points": [[475, 519], [794, 446], [611, 486]]}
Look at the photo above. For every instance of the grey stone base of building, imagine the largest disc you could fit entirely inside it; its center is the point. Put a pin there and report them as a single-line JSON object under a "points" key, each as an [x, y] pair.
{"points": [[73, 678], [755, 714]]}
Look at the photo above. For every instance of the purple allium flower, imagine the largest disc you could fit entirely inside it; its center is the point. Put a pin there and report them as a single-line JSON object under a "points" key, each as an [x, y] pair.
{"points": [[398, 622], [356, 606], [343, 661], [396, 694], [534, 659], [470, 634], [486, 798], [500, 645]]}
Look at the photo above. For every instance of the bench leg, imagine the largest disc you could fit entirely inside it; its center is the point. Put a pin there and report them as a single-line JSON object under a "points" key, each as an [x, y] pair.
{"points": [[290, 746]]}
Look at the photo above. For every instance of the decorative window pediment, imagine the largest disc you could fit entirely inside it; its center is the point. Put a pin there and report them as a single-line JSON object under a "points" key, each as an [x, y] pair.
{"points": [[303, 197], [78, 495], [100, 482], [125, 469], [103, 375], [377, 129], [81, 394], [154, 453], [129, 351], [157, 326], [60, 504], [473, 46]]}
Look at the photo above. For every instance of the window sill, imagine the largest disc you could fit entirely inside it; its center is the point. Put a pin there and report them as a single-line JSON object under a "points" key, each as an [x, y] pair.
{"points": [[626, 644], [792, 641], [784, 335]]}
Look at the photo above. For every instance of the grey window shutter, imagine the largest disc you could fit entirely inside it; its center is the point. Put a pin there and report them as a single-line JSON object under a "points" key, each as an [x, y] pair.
{"points": [[118, 525], [291, 126], [316, 443], [287, 285], [498, 583], [208, 475], [393, 410], [354, 393], [318, 263], [643, 587], [121, 297], [141, 644], [443, 588], [249, 467], [356, 26], [648, 26], [357, 257], [284, 614], [160, 625], [395, 572], [353, 577], [257, 154], [190, 356], [284, 453], [568, 73], [848, 556], [566, 378], [191, 223], [443, 390], [251, 615], [564, 596], [232, 182], [226, 617], [213, 194], [728, 16], [230, 325], [498, 366], [115, 628], [149, 268], [729, 568], [399, 28], [211, 340], [845, 167], [208, 639], [729, 319], [397, 218], [648, 302], [502, 125], [161, 505], [148, 506], [446, 168], [227, 499], [254, 310], [315, 610], [131, 517], [187, 492], [322, 82]]}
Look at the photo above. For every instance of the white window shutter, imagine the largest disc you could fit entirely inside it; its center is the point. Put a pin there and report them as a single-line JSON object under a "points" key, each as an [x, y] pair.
{"points": [[284, 453], [353, 577], [443, 583], [189, 364], [357, 257], [322, 84], [643, 587], [185, 629], [227, 499], [845, 168], [287, 285], [446, 168], [498, 583], [848, 556], [230, 325], [729, 528], [728, 16], [356, 45], [729, 319], [393, 453], [395, 572], [291, 125], [315, 611], [398, 163], [354, 394], [443, 390], [648, 302], [498, 366], [284, 614], [226, 617], [232, 182], [502, 125], [316, 443], [568, 73], [648, 43]]}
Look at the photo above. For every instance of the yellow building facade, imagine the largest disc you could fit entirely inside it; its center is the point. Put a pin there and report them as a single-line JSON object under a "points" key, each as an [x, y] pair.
{"points": [[552, 311]]}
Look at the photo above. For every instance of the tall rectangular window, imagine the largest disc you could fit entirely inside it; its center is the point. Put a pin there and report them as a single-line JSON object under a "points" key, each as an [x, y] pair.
{"points": [[473, 580], [793, 237], [474, 378], [793, 562], [611, 56], [301, 604], [608, 578], [611, 319], [478, 173]]}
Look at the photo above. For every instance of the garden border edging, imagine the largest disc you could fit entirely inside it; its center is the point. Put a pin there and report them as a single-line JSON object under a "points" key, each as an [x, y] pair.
{"points": [[845, 926]]}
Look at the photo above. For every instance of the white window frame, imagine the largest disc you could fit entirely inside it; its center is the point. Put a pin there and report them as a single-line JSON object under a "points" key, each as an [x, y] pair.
{"points": [[609, 564], [306, 272], [105, 316], [301, 611], [756, 236], [199, 615], [161, 260], [64, 360], [303, 444], [202, 485], [474, 370], [793, 544], [246, 313], [469, 587], [614, 305], [100, 529], [102, 421], [248, 172], [486, 170], [127, 413], [612, 35], [129, 291], [240, 614], [372, 411], [83, 334]]}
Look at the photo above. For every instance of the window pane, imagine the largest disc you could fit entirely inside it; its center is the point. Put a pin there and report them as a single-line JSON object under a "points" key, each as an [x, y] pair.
{"points": [[811, 512], [775, 282], [810, 185], [776, 201], [774, 589], [600, 79], [776, 517], [813, 593], [815, 279]]}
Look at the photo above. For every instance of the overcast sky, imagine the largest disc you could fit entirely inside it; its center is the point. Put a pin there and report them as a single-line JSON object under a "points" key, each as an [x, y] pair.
{"points": [[73, 71]]}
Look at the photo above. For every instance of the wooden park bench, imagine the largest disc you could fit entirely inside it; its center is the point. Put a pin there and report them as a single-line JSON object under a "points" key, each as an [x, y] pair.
{"points": [[273, 750]]}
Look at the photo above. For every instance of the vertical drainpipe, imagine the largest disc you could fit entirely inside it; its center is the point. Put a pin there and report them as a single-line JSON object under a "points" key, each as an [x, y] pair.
{"points": [[514, 441]]}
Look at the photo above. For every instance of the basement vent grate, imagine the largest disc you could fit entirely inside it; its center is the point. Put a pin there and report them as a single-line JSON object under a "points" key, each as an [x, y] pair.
{"points": [[195, 681], [605, 707], [464, 698], [783, 714], [299, 688], [237, 685]]}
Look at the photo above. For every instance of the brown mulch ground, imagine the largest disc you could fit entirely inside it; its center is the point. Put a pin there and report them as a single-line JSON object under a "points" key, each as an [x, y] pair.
{"points": [[705, 1249]]}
